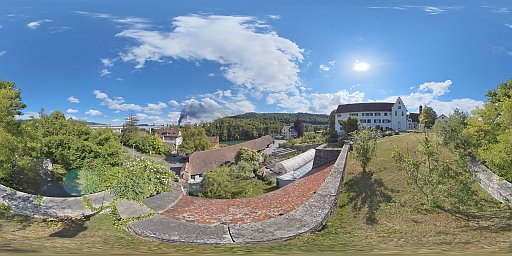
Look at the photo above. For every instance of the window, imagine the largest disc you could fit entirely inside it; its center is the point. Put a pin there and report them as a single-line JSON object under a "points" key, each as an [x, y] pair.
{"points": [[369, 121], [339, 115], [402, 113], [399, 107], [386, 114], [363, 121], [395, 113], [386, 121], [377, 114], [377, 121], [371, 114], [353, 114]]}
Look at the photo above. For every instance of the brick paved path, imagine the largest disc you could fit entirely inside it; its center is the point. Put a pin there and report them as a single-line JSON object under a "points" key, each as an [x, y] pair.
{"points": [[247, 210]]}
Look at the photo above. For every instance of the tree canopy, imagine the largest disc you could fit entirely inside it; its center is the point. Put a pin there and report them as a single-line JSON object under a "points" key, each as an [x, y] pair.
{"points": [[194, 139], [428, 117], [350, 125]]}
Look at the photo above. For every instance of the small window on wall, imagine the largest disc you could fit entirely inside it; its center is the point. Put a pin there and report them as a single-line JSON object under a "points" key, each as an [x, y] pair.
{"points": [[402, 113], [399, 107], [385, 114], [369, 121], [395, 113]]}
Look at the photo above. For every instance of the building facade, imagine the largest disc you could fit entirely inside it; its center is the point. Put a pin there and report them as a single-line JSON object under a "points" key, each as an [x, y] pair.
{"points": [[288, 132], [172, 136], [388, 116]]}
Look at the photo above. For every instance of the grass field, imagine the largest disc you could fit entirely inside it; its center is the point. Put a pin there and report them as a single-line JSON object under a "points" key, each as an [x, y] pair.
{"points": [[375, 215]]}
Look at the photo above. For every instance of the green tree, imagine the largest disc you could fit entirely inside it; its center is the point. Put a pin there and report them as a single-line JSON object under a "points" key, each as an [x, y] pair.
{"points": [[298, 126], [452, 131], [130, 129], [428, 117], [10, 106], [442, 183], [364, 145], [9, 152], [350, 125], [491, 128], [194, 139], [247, 155]]}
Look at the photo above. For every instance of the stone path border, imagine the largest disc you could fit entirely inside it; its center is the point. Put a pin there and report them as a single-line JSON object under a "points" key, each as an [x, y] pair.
{"points": [[53, 207], [497, 187], [308, 218]]}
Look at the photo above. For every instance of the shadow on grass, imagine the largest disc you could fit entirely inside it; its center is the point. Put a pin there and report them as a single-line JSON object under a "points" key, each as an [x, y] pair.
{"points": [[368, 192], [71, 229]]}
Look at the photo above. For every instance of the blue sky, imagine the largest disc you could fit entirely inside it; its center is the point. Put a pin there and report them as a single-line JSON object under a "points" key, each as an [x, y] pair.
{"points": [[98, 60]]}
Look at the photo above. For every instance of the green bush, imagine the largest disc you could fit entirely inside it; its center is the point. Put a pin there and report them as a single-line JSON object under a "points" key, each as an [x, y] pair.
{"points": [[140, 178]]}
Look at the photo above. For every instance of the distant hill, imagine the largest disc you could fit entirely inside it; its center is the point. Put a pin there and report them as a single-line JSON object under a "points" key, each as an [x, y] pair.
{"points": [[252, 125], [286, 118]]}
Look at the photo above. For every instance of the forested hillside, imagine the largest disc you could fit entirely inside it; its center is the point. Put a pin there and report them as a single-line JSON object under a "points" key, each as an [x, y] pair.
{"points": [[254, 125]]}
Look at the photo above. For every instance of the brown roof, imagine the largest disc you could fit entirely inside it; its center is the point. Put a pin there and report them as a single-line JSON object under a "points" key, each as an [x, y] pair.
{"points": [[203, 161], [362, 107], [172, 131], [415, 117]]}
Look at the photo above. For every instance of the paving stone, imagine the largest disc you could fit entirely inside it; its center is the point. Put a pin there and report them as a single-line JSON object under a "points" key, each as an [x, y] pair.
{"points": [[131, 209], [163, 201], [167, 229]]}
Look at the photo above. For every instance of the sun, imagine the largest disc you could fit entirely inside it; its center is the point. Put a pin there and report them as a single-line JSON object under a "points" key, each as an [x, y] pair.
{"points": [[361, 66]]}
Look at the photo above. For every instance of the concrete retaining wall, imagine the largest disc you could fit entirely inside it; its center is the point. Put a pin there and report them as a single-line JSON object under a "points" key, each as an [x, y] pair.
{"points": [[308, 218], [497, 187], [325, 155], [52, 207]]}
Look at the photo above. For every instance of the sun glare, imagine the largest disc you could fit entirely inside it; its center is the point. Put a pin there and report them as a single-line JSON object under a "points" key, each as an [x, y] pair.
{"points": [[361, 66]]}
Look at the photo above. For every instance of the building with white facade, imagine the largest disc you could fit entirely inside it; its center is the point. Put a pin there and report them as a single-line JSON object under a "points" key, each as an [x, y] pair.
{"points": [[288, 132], [172, 136], [388, 116]]}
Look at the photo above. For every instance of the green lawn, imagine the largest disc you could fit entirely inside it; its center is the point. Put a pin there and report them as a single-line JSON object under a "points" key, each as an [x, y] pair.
{"points": [[374, 216]]}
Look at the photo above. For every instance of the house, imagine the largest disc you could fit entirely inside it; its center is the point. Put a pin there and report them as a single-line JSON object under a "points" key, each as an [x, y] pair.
{"points": [[288, 132], [214, 140], [388, 116], [413, 121], [441, 117], [172, 136], [203, 161]]}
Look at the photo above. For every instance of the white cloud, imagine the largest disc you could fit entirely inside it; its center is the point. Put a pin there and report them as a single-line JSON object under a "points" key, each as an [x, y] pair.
{"points": [[118, 104], [132, 22], [252, 56], [92, 112], [438, 88], [508, 25], [37, 24], [207, 109], [497, 9], [2, 53], [315, 102], [428, 94], [155, 108], [71, 111], [274, 17], [211, 75], [56, 30], [105, 72], [73, 99], [324, 68], [100, 95], [173, 103], [327, 67], [27, 116], [108, 62]]}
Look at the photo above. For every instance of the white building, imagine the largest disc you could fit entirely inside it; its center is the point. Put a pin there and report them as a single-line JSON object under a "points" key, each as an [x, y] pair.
{"points": [[288, 132], [389, 116], [172, 136]]}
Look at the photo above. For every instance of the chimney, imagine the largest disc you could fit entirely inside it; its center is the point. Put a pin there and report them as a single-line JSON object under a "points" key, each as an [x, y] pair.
{"points": [[421, 108]]}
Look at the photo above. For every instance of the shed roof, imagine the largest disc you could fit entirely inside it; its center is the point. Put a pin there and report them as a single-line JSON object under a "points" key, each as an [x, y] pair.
{"points": [[203, 161]]}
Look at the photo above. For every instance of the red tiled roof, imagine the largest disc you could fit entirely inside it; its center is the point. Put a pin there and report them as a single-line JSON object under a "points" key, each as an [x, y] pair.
{"points": [[203, 161], [251, 209], [172, 131]]}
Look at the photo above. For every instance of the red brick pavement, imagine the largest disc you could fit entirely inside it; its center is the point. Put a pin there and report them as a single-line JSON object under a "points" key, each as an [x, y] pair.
{"points": [[253, 209]]}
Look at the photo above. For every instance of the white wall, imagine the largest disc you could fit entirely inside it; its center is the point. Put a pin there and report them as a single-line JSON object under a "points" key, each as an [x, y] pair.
{"points": [[399, 116]]}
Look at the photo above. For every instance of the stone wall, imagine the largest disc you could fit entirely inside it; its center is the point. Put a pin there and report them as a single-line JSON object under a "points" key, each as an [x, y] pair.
{"points": [[325, 155], [309, 217], [52, 207], [497, 187]]}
